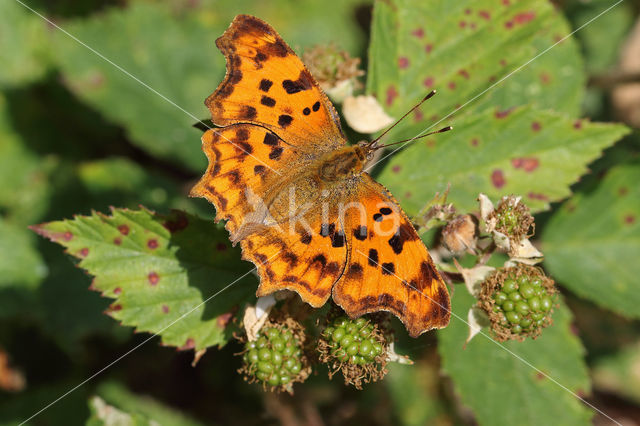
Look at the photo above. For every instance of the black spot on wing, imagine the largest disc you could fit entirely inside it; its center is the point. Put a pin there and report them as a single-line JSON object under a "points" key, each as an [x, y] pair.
{"points": [[275, 153], [267, 101], [248, 112], [360, 233], [316, 106], [259, 169], [327, 229], [373, 257], [306, 111], [320, 259], [304, 82], [388, 268], [242, 134], [235, 75], [265, 85], [306, 239], [355, 271], [284, 120], [377, 217], [337, 239], [270, 139]]}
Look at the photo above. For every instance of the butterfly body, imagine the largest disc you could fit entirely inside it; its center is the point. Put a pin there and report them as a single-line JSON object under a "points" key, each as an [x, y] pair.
{"points": [[295, 195]]}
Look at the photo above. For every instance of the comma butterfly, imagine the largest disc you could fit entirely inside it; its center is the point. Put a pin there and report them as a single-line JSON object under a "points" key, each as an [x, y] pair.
{"points": [[295, 194]]}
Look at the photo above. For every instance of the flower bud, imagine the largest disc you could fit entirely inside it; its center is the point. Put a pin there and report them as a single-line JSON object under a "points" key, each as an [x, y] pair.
{"points": [[460, 234]]}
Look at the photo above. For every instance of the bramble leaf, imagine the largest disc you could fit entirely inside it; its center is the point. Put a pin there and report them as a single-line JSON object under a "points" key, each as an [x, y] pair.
{"points": [[24, 48], [176, 275], [496, 382], [173, 53], [591, 244], [463, 48], [536, 154]]}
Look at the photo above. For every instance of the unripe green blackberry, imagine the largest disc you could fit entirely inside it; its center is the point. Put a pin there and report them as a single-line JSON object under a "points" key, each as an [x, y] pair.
{"points": [[519, 302], [276, 358], [356, 347], [512, 218]]}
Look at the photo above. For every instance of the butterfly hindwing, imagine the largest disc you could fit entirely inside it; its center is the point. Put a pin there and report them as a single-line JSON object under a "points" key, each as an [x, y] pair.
{"points": [[267, 84], [307, 259], [389, 268]]}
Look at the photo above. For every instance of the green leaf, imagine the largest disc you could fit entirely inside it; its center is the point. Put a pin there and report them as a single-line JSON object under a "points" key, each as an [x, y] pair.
{"points": [[462, 48], [24, 47], [20, 262], [140, 410], [502, 389], [536, 154], [414, 393], [173, 52], [591, 244], [612, 373], [601, 38], [161, 270], [25, 186]]}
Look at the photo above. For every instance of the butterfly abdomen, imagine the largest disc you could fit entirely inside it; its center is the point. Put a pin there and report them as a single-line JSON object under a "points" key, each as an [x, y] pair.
{"points": [[342, 163]]}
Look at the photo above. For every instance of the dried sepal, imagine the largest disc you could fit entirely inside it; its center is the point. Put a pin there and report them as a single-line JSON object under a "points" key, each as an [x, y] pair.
{"points": [[477, 319], [474, 277], [364, 114], [255, 316]]}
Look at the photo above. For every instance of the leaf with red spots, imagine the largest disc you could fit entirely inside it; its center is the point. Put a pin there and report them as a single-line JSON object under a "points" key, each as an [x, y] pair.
{"points": [[171, 52], [592, 243], [523, 393], [490, 41], [161, 271], [523, 151]]}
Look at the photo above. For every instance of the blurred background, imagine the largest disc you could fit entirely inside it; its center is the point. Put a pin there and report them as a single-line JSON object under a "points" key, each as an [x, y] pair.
{"points": [[77, 135]]}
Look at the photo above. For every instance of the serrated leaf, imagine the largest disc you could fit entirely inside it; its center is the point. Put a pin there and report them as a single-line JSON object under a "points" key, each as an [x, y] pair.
{"points": [[592, 243], [502, 389], [174, 54], [24, 49], [536, 154], [160, 269], [415, 49]]}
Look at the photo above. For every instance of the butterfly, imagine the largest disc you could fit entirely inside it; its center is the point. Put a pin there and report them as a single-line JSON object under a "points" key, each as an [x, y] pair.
{"points": [[294, 193]]}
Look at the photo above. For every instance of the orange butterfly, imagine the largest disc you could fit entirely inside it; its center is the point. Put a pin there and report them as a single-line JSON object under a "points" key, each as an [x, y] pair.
{"points": [[295, 194]]}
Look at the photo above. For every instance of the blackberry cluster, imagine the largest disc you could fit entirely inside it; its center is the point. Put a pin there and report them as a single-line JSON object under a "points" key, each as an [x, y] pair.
{"points": [[275, 358], [352, 341], [519, 302], [357, 348], [524, 303]]}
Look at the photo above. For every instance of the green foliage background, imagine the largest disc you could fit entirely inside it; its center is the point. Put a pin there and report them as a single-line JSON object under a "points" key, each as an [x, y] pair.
{"points": [[101, 116]]}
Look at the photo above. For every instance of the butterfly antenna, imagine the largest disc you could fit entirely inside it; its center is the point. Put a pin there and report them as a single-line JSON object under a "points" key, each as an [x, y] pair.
{"points": [[373, 142], [444, 129]]}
